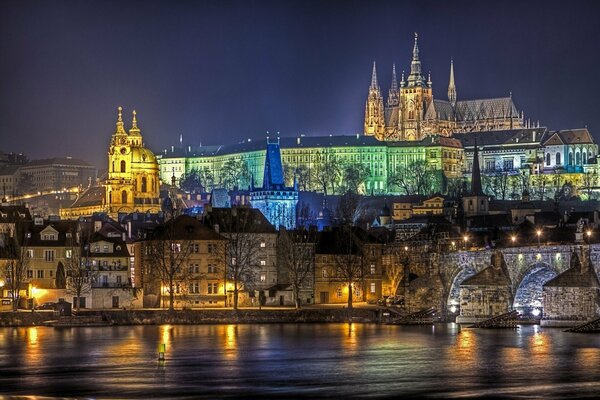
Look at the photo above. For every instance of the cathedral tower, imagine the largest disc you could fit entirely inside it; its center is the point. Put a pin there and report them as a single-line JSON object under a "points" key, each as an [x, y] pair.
{"points": [[451, 86], [132, 183], [374, 116], [415, 96]]}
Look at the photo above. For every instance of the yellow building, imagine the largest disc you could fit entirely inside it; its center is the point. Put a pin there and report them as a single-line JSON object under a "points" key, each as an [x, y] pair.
{"points": [[411, 113], [133, 180], [417, 205]]}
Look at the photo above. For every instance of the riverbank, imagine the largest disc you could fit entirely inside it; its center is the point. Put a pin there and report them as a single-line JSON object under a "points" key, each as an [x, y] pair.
{"points": [[192, 317]]}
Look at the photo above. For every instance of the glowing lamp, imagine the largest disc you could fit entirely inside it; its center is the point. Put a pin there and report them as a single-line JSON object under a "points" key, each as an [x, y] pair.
{"points": [[536, 312], [453, 309]]}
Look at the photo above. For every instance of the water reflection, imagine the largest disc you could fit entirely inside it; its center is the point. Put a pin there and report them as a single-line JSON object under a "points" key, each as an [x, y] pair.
{"points": [[311, 360]]}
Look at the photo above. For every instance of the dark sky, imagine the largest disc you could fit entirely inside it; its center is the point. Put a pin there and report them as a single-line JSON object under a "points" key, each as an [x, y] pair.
{"points": [[222, 71]]}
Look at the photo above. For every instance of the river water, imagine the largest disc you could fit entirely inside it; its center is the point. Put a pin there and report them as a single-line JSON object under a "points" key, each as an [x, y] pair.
{"points": [[292, 361]]}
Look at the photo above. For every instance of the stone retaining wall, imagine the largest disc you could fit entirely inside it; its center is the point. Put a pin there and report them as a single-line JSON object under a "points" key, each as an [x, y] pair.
{"points": [[215, 316]]}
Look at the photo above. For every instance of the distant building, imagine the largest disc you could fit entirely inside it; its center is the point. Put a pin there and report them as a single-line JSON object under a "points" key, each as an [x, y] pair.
{"points": [[56, 174], [411, 113], [133, 183], [275, 200]]}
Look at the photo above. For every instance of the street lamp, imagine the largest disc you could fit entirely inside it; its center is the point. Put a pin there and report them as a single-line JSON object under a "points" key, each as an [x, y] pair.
{"points": [[466, 239], [538, 233], [513, 239]]}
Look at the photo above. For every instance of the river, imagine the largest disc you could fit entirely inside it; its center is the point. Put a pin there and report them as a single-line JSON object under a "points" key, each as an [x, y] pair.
{"points": [[298, 360]]}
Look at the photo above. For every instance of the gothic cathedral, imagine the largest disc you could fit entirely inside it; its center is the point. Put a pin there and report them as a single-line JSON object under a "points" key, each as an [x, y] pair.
{"points": [[411, 112]]}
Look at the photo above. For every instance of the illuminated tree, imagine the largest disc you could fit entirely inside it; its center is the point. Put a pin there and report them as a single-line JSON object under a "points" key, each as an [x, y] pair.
{"points": [[417, 177], [235, 173], [14, 271], [354, 176], [79, 269], [296, 255], [327, 172]]}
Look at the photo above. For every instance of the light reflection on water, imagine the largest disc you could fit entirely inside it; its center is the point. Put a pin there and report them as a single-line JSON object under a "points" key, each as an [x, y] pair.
{"points": [[310, 360]]}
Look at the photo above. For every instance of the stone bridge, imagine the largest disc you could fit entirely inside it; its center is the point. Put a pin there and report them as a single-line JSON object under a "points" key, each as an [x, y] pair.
{"points": [[438, 279]]}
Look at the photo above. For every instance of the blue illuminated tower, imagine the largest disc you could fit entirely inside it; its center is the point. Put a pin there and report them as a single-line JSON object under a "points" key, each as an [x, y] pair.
{"points": [[276, 201]]}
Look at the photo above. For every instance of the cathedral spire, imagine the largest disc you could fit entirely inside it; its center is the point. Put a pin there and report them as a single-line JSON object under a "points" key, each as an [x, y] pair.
{"points": [[416, 78], [393, 93], [120, 129], [374, 84], [451, 86]]}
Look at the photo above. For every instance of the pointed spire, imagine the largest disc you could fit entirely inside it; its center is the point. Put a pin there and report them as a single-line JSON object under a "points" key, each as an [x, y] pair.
{"points": [[429, 79], [374, 84], [451, 85], [393, 99], [476, 189], [120, 128], [134, 128], [416, 78], [402, 82]]}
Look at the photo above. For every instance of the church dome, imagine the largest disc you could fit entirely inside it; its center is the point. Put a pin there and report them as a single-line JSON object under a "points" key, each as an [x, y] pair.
{"points": [[143, 155]]}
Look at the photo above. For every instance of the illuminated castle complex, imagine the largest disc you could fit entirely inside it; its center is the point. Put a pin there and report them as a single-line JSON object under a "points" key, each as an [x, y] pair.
{"points": [[411, 112]]}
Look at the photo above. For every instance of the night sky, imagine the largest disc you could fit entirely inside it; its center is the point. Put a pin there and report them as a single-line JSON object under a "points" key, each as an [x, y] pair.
{"points": [[223, 71]]}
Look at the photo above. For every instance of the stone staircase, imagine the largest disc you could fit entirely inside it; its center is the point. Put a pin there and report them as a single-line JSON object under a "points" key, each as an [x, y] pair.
{"points": [[509, 320]]}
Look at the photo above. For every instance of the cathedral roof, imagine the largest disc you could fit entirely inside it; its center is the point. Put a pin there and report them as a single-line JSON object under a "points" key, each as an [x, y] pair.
{"points": [[471, 110], [440, 109]]}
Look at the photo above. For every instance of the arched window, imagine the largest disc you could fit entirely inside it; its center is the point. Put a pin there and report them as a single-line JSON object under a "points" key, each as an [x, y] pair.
{"points": [[557, 158], [548, 159], [124, 197], [144, 188], [411, 114], [123, 166], [109, 197], [570, 158], [584, 158], [578, 158], [113, 166]]}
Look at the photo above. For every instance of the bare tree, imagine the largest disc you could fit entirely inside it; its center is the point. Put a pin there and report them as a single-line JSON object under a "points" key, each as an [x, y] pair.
{"points": [[395, 267], [296, 253], [349, 262], [168, 251], [496, 184], [354, 176], [349, 209], [235, 173], [327, 172], [15, 269], [417, 177], [79, 269], [238, 225], [590, 180]]}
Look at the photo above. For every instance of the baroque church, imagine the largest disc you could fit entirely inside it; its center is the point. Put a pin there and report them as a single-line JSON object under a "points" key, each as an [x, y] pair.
{"points": [[132, 183], [411, 113]]}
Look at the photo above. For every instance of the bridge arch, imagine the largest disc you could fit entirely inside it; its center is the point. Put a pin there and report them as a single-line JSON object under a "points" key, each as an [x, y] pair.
{"points": [[528, 290]]}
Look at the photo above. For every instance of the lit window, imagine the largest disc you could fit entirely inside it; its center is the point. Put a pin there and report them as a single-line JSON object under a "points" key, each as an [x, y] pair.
{"points": [[263, 263], [372, 269], [263, 277], [68, 253], [263, 244], [373, 287], [324, 273]]}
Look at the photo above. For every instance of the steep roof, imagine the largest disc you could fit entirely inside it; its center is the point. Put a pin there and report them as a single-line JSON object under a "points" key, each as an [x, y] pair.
{"points": [[184, 227], [238, 219], [525, 136], [440, 109], [471, 110]]}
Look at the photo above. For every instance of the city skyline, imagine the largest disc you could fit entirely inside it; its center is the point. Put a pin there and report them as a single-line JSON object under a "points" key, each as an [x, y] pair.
{"points": [[179, 67]]}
